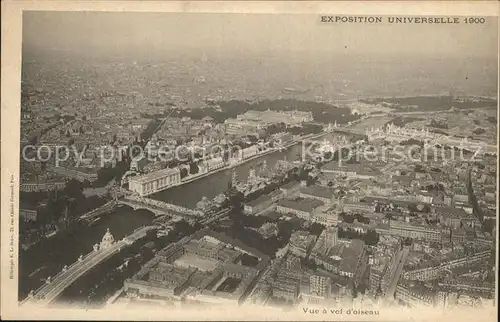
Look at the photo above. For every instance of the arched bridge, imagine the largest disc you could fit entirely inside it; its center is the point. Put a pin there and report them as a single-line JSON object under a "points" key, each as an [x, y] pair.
{"points": [[159, 207], [54, 286]]}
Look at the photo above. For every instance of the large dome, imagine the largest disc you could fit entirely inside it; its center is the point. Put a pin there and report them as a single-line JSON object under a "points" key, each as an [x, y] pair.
{"points": [[107, 239]]}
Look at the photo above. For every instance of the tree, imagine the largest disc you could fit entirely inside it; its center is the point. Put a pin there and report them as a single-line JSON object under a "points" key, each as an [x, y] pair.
{"points": [[74, 188], [252, 138], [193, 168], [371, 237], [347, 218], [184, 173], [316, 229], [348, 233], [407, 241]]}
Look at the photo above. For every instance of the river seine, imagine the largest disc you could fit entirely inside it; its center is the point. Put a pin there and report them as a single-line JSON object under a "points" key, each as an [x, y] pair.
{"points": [[49, 257], [189, 194]]}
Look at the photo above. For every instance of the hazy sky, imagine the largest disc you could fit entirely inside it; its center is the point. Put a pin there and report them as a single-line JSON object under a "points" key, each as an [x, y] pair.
{"points": [[111, 33]]}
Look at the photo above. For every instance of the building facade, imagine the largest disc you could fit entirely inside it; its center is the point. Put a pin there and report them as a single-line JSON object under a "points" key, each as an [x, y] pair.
{"points": [[403, 229], [320, 285], [155, 181], [45, 186], [80, 174], [28, 214], [433, 272]]}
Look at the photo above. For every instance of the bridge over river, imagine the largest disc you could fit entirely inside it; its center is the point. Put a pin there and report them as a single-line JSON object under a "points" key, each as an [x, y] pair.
{"points": [[159, 208], [53, 288], [107, 207]]}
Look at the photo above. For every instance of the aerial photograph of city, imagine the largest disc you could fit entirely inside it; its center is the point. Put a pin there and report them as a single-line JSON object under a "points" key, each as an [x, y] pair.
{"points": [[199, 159]]}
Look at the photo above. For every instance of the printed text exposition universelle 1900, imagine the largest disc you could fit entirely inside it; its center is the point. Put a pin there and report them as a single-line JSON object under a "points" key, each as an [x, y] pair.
{"points": [[401, 20]]}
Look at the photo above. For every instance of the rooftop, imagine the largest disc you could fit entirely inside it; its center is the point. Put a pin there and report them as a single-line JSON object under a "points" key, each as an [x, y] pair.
{"points": [[417, 287], [336, 251], [302, 239], [264, 259], [155, 175], [204, 245], [451, 211], [259, 200], [89, 170], [368, 172], [305, 204], [290, 185], [317, 191], [175, 275], [350, 256], [334, 165]]}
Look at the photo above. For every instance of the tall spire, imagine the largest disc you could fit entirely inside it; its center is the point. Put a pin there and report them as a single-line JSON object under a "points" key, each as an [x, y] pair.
{"points": [[251, 175], [264, 166], [234, 179]]}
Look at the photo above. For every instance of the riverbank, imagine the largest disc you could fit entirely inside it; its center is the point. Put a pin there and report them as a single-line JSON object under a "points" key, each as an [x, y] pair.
{"points": [[229, 166], [241, 162], [27, 246], [49, 256]]}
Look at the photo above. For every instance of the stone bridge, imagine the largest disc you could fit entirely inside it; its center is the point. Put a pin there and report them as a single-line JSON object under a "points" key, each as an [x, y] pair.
{"points": [[55, 285], [159, 207], [99, 211], [137, 205]]}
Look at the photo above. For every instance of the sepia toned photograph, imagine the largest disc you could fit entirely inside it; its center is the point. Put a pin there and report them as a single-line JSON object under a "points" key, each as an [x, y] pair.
{"points": [[329, 164]]}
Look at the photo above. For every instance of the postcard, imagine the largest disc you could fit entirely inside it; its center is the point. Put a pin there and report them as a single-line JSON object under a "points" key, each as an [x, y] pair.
{"points": [[260, 160]]}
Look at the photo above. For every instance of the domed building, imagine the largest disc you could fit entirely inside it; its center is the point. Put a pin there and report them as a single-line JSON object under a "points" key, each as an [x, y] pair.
{"points": [[107, 240]]}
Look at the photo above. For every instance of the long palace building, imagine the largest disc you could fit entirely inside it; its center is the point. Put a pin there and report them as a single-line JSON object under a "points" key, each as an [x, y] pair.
{"points": [[155, 181]]}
